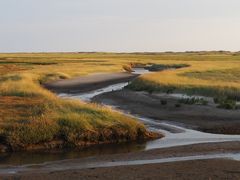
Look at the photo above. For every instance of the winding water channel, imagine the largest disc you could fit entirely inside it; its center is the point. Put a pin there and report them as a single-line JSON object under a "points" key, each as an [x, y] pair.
{"points": [[175, 135]]}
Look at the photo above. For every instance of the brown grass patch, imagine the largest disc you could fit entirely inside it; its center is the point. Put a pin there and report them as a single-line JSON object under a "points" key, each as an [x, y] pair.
{"points": [[13, 108], [5, 69]]}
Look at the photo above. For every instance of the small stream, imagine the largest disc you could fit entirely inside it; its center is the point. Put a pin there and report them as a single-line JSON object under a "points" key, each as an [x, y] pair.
{"points": [[175, 135]]}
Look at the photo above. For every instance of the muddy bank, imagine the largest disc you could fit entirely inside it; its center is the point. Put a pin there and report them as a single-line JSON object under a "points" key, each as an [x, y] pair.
{"points": [[189, 169], [113, 138], [89, 83], [205, 118], [216, 169]]}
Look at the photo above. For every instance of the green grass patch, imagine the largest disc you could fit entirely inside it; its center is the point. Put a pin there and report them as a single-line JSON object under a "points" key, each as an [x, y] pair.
{"points": [[212, 91], [231, 75]]}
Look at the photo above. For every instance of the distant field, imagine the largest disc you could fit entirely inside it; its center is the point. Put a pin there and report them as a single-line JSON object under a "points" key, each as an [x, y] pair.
{"points": [[29, 114]]}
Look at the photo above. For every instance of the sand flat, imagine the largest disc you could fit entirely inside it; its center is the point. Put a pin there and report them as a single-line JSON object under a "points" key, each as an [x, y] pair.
{"points": [[89, 83]]}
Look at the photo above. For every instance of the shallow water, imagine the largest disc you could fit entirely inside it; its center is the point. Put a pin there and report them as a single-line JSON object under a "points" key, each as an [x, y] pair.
{"points": [[140, 71], [88, 96], [175, 135], [115, 87], [181, 136], [38, 157], [71, 165]]}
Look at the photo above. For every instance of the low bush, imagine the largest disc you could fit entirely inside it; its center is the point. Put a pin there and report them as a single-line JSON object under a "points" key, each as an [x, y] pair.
{"points": [[193, 100], [161, 67], [127, 68], [163, 102], [178, 105], [225, 102]]}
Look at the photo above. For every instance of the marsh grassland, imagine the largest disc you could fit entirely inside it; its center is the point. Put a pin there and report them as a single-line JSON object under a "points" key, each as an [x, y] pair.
{"points": [[213, 74], [31, 115]]}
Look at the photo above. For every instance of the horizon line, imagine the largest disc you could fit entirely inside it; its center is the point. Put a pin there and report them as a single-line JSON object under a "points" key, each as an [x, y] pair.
{"points": [[118, 52]]}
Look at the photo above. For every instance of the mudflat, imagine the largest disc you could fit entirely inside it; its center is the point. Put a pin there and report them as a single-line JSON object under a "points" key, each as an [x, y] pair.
{"points": [[207, 118], [217, 169], [190, 169], [88, 83]]}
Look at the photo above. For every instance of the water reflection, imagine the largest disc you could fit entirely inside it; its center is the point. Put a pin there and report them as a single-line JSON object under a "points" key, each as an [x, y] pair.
{"points": [[36, 157]]}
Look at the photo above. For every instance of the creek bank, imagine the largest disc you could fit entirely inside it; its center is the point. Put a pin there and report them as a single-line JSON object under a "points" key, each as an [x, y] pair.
{"points": [[81, 144], [207, 118]]}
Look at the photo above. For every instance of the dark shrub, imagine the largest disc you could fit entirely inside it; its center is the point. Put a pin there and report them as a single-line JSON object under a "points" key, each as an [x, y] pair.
{"points": [[178, 105], [163, 102], [227, 104]]}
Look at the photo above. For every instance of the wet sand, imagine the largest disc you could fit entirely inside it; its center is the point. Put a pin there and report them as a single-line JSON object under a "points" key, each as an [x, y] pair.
{"points": [[192, 169], [89, 83], [198, 170], [205, 118]]}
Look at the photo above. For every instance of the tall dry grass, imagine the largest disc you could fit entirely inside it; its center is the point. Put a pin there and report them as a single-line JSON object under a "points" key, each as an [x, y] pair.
{"points": [[43, 117]]}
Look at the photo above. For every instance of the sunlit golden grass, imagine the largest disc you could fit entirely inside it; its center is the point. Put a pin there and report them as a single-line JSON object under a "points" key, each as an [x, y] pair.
{"points": [[30, 114], [211, 78]]}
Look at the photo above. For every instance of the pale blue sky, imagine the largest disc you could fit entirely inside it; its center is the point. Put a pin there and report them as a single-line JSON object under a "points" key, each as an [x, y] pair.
{"points": [[119, 25]]}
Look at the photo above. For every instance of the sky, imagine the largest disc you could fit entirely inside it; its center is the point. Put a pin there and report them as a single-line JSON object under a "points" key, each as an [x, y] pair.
{"points": [[119, 25]]}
